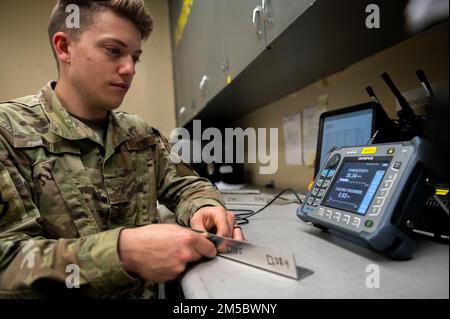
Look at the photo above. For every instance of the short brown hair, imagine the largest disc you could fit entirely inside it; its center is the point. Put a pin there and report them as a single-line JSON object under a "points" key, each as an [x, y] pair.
{"points": [[134, 10]]}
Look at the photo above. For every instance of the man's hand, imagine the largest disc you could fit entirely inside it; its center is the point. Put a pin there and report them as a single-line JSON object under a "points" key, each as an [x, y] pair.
{"points": [[207, 218], [160, 252]]}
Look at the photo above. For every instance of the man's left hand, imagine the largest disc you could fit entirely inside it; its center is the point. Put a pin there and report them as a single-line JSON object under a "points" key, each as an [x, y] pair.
{"points": [[207, 218]]}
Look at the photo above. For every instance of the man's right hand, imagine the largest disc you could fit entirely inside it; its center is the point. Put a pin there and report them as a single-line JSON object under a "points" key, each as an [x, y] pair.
{"points": [[160, 252]]}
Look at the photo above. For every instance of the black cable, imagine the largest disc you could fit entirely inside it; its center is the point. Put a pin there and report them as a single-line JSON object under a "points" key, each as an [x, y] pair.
{"points": [[242, 218]]}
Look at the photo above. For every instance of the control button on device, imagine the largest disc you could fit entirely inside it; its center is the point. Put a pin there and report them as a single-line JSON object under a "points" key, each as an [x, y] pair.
{"points": [[324, 173], [397, 166], [328, 213], [319, 182], [374, 211], [316, 202], [379, 201], [391, 177], [326, 183], [337, 216], [321, 192], [346, 219], [333, 161], [331, 173], [368, 223], [315, 191], [310, 200], [391, 150], [383, 194], [356, 221], [321, 211], [308, 209], [386, 185]]}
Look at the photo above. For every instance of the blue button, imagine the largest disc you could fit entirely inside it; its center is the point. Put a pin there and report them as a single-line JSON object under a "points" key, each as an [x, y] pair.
{"points": [[331, 173], [325, 173], [308, 209]]}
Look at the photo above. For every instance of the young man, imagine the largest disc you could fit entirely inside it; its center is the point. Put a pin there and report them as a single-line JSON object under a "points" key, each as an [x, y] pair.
{"points": [[79, 183]]}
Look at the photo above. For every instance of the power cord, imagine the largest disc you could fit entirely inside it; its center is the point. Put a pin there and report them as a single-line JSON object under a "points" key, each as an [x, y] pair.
{"points": [[242, 218]]}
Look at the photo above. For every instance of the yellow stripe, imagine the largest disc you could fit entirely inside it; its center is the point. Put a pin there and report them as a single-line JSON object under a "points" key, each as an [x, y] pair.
{"points": [[441, 192], [183, 20], [369, 150]]}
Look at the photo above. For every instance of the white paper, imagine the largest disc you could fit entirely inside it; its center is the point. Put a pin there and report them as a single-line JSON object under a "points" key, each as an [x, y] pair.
{"points": [[225, 188], [311, 117], [293, 139]]}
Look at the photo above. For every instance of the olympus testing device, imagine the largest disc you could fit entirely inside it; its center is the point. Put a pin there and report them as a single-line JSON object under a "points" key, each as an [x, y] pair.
{"points": [[371, 194]]}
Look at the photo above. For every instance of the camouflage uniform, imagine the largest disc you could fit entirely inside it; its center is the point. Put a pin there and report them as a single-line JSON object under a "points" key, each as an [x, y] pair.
{"points": [[65, 194]]}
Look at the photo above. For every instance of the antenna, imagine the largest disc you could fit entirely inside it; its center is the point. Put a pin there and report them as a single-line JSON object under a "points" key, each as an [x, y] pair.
{"points": [[406, 112], [372, 95], [424, 81]]}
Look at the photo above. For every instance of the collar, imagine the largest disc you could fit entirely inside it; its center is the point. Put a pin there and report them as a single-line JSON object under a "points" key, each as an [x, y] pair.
{"points": [[69, 127]]}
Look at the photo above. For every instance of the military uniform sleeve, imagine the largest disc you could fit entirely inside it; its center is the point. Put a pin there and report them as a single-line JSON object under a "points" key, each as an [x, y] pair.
{"points": [[180, 188], [33, 265]]}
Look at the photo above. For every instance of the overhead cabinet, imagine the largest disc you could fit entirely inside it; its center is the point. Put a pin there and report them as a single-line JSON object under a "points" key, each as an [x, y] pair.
{"points": [[215, 40], [233, 56]]}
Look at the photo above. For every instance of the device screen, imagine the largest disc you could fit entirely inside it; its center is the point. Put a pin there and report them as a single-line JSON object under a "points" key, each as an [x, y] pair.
{"points": [[356, 185], [349, 129]]}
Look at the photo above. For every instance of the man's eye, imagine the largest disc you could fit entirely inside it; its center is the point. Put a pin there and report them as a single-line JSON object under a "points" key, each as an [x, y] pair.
{"points": [[113, 51], [136, 60]]}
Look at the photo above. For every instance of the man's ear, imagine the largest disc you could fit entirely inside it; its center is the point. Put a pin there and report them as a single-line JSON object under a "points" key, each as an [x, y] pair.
{"points": [[61, 44]]}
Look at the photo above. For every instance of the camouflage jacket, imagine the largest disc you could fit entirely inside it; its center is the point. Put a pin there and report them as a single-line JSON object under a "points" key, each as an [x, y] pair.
{"points": [[65, 194]]}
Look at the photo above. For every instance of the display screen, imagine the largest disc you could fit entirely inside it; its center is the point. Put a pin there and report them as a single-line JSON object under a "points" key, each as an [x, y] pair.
{"points": [[349, 129], [356, 185]]}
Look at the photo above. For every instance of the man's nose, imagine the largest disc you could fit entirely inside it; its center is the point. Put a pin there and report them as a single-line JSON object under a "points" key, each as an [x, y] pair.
{"points": [[127, 67]]}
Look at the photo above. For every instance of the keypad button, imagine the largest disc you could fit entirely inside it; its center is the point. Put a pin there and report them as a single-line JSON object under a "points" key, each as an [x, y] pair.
{"points": [[308, 209], [331, 173], [386, 185], [356, 221], [315, 191], [391, 177], [337, 216], [333, 161], [379, 201], [374, 211], [346, 219], [383, 194], [397, 166]]}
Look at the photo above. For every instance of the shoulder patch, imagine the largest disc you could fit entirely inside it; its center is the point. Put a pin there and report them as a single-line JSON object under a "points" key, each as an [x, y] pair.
{"points": [[22, 117]]}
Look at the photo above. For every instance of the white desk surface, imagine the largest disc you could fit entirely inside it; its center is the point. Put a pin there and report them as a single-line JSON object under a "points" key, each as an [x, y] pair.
{"points": [[339, 266]]}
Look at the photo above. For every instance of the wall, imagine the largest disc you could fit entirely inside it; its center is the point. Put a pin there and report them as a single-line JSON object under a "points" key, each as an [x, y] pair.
{"points": [[26, 61], [428, 50]]}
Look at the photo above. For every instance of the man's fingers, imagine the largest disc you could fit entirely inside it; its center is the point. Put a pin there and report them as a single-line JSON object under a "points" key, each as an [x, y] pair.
{"points": [[205, 247], [223, 225], [231, 222], [197, 224], [238, 234]]}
